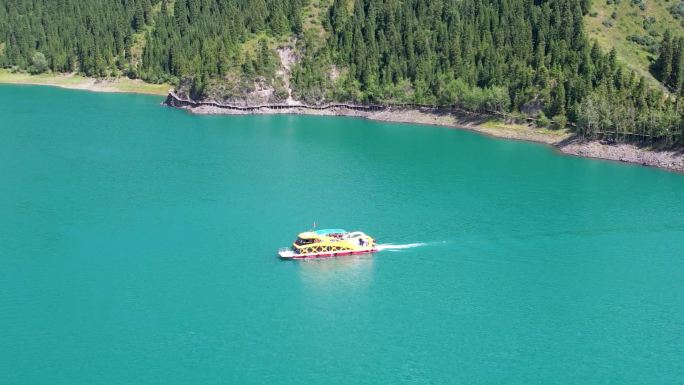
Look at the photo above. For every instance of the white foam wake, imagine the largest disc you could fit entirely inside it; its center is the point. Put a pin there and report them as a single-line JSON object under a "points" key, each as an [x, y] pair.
{"points": [[390, 246]]}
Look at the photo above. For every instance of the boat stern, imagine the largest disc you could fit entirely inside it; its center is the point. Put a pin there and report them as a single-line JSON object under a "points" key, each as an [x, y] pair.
{"points": [[286, 253]]}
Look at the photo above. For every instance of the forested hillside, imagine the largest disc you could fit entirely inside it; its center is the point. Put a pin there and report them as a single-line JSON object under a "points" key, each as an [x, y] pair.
{"points": [[100, 37], [527, 57], [92, 37]]}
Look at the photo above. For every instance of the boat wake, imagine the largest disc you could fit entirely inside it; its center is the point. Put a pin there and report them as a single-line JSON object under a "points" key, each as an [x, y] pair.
{"points": [[392, 247]]}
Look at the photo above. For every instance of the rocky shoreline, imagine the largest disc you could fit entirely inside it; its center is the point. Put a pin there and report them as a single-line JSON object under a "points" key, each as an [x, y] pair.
{"points": [[564, 141], [487, 124], [628, 153]]}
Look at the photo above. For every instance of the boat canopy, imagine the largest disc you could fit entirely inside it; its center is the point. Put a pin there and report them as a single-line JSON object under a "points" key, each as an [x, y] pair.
{"points": [[330, 231]]}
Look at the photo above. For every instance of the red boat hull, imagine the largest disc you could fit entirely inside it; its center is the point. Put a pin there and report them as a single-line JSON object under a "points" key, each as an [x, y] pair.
{"points": [[328, 254]]}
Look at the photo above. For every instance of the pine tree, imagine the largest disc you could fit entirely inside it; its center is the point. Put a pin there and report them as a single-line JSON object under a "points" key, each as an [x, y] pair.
{"points": [[139, 18], [677, 75], [663, 66]]}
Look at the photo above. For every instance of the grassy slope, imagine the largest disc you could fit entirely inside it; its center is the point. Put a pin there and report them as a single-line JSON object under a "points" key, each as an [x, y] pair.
{"points": [[630, 22], [314, 14]]}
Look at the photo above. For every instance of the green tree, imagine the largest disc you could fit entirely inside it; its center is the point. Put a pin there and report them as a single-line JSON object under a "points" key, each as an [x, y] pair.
{"points": [[139, 18], [39, 63], [663, 65]]}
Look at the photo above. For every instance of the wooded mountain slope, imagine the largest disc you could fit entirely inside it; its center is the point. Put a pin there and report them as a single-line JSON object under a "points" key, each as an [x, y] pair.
{"points": [[515, 56]]}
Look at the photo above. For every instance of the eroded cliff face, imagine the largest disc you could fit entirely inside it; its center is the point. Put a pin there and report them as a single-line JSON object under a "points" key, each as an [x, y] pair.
{"points": [[238, 89], [288, 59]]}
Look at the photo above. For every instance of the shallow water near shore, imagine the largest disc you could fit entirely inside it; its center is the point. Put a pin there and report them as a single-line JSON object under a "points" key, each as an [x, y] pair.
{"points": [[138, 246]]}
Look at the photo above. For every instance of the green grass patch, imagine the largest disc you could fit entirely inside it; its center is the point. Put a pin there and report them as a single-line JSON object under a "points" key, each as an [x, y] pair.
{"points": [[81, 82], [314, 14], [631, 20], [140, 87], [498, 124]]}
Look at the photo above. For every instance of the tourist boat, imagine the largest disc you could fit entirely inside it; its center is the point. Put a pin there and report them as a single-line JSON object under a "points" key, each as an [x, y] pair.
{"points": [[328, 243]]}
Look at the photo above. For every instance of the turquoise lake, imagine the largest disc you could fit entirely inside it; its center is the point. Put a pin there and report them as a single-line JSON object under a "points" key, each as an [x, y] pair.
{"points": [[138, 246]]}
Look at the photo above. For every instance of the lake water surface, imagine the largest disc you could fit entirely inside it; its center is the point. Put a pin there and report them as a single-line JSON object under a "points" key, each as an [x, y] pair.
{"points": [[138, 246]]}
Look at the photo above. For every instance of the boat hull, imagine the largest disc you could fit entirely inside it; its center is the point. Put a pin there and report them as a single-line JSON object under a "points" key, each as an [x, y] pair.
{"points": [[289, 254]]}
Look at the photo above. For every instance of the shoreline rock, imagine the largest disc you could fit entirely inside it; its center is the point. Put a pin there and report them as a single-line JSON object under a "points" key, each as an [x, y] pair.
{"points": [[627, 153]]}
